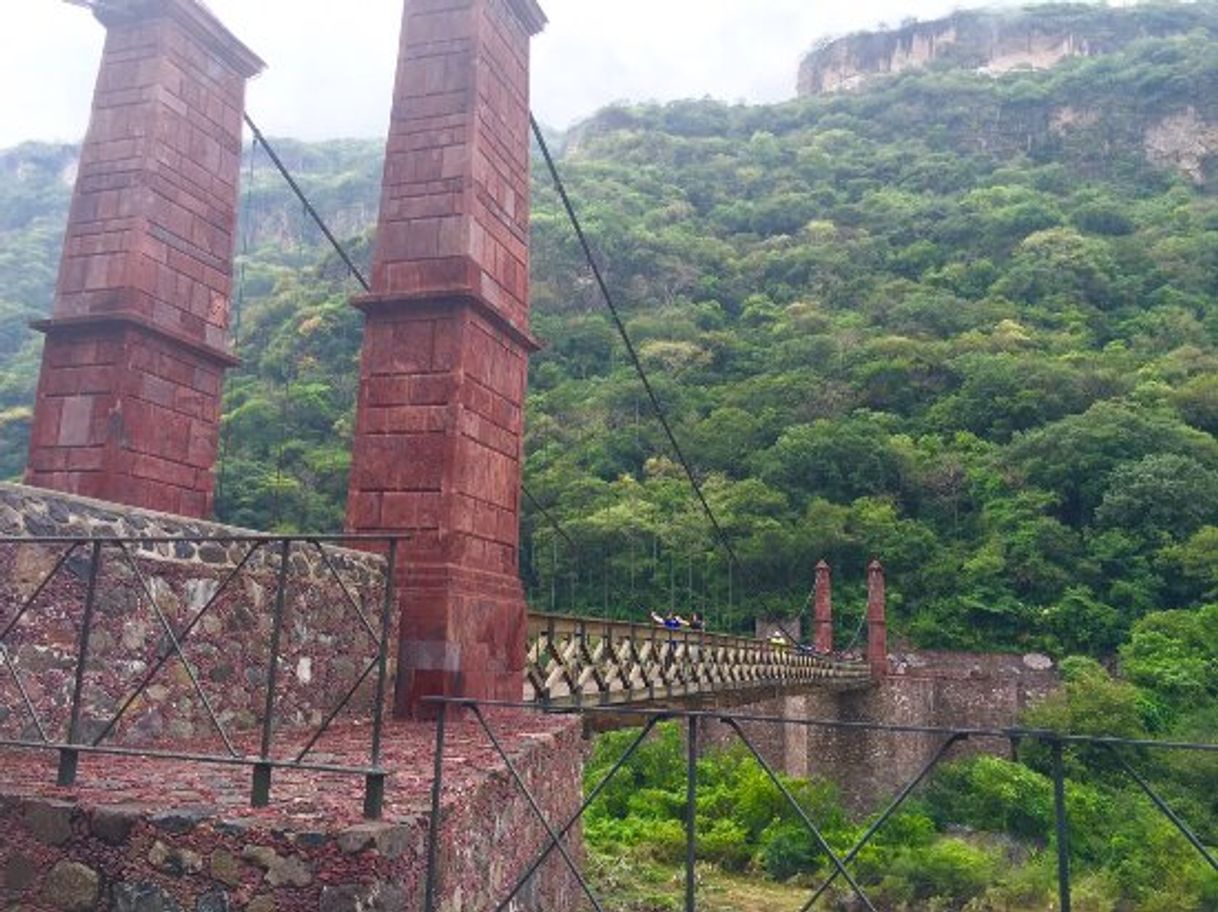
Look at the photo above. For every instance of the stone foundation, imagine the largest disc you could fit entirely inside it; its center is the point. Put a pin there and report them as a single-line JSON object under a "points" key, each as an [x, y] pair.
{"points": [[144, 834], [931, 689], [142, 837], [323, 649], [923, 689]]}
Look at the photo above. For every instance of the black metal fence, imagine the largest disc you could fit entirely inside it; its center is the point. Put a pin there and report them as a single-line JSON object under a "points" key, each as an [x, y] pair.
{"points": [[693, 721], [69, 592]]}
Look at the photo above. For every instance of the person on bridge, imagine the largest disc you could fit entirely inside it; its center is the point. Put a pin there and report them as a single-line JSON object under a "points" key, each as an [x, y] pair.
{"points": [[696, 621], [670, 622]]}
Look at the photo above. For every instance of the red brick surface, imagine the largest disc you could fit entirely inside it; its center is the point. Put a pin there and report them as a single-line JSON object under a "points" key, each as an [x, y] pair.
{"points": [[127, 404], [442, 378]]}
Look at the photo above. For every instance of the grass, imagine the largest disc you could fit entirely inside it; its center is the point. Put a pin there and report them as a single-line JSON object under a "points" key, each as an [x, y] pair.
{"points": [[631, 885]]}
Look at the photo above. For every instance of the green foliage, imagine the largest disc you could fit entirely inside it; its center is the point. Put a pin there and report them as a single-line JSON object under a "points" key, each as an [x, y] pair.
{"points": [[994, 795]]}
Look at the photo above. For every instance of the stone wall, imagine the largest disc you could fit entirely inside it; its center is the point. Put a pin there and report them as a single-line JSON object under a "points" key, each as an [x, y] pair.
{"points": [[90, 853], [323, 650], [923, 689], [928, 689]]}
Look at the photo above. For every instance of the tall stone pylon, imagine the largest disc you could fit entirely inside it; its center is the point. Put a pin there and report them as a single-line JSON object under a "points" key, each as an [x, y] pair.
{"points": [[128, 401], [440, 417]]}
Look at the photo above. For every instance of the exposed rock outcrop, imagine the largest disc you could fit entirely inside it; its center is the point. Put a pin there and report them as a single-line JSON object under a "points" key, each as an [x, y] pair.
{"points": [[1183, 141], [988, 42]]}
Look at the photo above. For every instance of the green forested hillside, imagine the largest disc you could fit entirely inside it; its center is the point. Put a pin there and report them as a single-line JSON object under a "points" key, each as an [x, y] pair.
{"points": [[965, 325]]}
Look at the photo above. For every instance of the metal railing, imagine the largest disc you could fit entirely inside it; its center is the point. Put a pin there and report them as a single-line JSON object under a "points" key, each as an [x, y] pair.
{"points": [[576, 661], [133, 562], [694, 722]]}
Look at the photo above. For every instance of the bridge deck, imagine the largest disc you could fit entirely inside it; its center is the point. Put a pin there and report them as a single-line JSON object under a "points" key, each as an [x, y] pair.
{"points": [[580, 661]]}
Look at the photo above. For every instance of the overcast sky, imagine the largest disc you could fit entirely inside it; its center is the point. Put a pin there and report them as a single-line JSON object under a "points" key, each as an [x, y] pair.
{"points": [[331, 61]]}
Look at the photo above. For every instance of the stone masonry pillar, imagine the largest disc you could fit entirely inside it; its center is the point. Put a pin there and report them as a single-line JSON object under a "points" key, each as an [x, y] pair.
{"points": [[440, 420], [877, 623], [823, 608], [128, 401]]}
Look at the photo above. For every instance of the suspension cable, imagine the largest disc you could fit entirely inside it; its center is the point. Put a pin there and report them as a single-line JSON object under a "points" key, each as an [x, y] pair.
{"points": [[260, 139], [308, 206], [656, 406], [246, 224], [537, 505]]}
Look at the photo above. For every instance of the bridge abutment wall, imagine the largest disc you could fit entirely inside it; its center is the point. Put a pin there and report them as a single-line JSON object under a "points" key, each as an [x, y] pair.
{"points": [[945, 690], [139, 833], [131, 839]]}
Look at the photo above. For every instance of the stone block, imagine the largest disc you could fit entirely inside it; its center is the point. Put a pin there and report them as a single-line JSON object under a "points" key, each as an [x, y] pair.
{"points": [[113, 825], [142, 897], [375, 897], [49, 822], [291, 871], [174, 860], [213, 901], [71, 886], [225, 868], [18, 873], [179, 821]]}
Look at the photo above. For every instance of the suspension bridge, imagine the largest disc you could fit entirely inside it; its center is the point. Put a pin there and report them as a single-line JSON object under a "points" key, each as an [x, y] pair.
{"points": [[134, 631]]}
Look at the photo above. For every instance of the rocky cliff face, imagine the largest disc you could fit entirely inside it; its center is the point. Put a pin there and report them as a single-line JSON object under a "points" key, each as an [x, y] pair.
{"points": [[994, 43]]}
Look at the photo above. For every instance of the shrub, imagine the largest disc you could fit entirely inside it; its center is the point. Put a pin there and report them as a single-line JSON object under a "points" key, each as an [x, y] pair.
{"points": [[950, 869], [787, 850], [995, 795]]}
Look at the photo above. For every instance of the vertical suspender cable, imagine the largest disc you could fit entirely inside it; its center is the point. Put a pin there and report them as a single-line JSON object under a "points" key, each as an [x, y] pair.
{"points": [[247, 229], [660, 413]]}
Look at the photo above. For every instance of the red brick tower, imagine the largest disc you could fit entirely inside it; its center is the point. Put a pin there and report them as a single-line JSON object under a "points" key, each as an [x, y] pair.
{"points": [[438, 441], [128, 402], [823, 608]]}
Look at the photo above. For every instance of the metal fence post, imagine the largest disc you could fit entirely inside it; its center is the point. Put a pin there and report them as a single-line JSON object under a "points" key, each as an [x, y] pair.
{"points": [[68, 757], [261, 796], [374, 783], [691, 817], [433, 828], [1063, 836]]}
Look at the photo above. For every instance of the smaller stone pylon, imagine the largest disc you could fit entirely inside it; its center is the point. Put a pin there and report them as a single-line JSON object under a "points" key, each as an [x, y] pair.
{"points": [[877, 622], [823, 607]]}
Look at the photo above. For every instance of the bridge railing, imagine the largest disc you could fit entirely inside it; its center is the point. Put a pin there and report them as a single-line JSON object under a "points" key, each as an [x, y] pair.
{"points": [[576, 661], [239, 650], [562, 835]]}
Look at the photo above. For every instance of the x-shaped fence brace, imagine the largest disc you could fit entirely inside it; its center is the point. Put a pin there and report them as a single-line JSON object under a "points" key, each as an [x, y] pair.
{"points": [[1056, 742], [173, 645]]}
